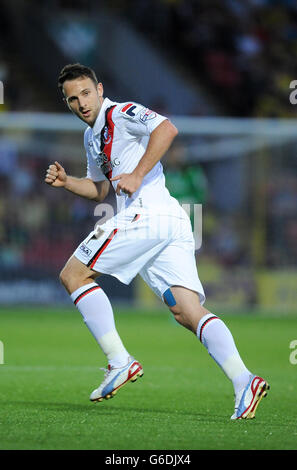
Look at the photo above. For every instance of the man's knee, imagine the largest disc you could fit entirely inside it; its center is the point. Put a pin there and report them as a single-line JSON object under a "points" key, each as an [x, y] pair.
{"points": [[175, 309], [180, 316], [185, 306], [75, 274]]}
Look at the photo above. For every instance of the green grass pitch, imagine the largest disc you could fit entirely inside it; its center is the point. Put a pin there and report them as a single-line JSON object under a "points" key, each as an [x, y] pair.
{"points": [[184, 401]]}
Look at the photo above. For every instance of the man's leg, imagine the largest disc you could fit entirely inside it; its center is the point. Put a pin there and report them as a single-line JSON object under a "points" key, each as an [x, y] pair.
{"points": [[97, 313], [213, 334], [249, 389], [94, 306]]}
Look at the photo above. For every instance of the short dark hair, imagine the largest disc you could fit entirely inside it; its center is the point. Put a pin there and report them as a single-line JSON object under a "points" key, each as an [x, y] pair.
{"points": [[73, 71]]}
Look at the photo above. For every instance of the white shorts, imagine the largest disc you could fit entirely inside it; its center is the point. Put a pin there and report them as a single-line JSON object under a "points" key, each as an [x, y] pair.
{"points": [[158, 247]]}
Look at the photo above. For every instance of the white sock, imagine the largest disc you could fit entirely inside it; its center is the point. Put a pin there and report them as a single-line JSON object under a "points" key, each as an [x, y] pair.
{"points": [[94, 305], [219, 342]]}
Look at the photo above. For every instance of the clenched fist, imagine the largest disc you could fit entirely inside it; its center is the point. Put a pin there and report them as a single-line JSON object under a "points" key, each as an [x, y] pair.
{"points": [[56, 175]]}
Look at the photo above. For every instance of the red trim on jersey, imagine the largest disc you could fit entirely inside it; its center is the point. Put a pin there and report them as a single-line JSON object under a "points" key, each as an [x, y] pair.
{"points": [[102, 248], [108, 146], [136, 217]]}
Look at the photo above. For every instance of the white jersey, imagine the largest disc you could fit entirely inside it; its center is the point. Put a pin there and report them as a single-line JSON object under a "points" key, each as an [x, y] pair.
{"points": [[150, 234], [115, 145]]}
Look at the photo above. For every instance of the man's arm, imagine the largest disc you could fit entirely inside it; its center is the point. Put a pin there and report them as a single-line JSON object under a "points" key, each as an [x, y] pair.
{"points": [[159, 142], [56, 176]]}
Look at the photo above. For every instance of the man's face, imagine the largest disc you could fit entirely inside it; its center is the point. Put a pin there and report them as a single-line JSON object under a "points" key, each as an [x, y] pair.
{"points": [[84, 98]]}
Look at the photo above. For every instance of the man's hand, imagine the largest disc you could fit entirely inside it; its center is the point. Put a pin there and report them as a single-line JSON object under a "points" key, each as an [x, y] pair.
{"points": [[128, 183], [159, 142], [56, 176]]}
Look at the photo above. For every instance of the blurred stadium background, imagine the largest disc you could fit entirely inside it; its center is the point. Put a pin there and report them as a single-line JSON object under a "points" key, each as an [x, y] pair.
{"points": [[221, 70]]}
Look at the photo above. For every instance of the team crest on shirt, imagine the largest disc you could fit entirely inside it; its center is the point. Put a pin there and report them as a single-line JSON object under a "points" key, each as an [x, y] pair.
{"points": [[106, 135], [147, 114]]}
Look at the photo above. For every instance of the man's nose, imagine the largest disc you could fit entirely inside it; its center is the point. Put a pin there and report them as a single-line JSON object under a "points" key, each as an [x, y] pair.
{"points": [[81, 103]]}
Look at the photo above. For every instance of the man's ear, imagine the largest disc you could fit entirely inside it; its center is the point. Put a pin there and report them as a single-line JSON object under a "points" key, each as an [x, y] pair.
{"points": [[100, 89]]}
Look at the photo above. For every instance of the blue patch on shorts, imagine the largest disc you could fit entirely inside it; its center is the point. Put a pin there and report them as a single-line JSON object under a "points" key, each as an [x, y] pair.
{"points": [[168, 297]]}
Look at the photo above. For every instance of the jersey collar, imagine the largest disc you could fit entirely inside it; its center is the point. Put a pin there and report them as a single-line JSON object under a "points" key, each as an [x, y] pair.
{"points": [[100, 121]]}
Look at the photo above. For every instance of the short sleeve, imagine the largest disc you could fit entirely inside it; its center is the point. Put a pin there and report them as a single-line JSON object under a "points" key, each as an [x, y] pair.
{"points": [[139, 120], [93, 171]]}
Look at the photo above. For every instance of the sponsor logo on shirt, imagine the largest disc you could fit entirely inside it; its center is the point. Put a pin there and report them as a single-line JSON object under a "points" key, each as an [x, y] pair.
{"points": [[105, 164]]}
